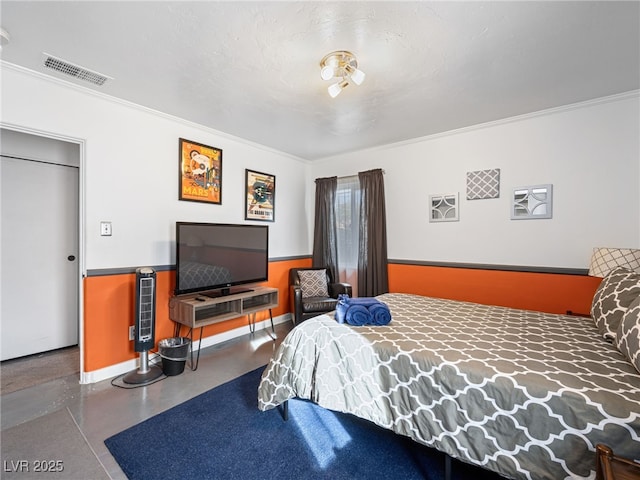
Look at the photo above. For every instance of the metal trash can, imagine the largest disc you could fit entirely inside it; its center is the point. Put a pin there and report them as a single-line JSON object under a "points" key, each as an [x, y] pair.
{"points": [[174, 352]]}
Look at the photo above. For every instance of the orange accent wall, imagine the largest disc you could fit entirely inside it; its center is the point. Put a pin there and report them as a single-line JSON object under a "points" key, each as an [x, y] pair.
{"points": [[545, 292], [109, 311], [109, 307]]}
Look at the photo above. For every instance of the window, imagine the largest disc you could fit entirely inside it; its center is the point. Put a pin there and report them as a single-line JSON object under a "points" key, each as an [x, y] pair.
{"points": [[348, 226]]}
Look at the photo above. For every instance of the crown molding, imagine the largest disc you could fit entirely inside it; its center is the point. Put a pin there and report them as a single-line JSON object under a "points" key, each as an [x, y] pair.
{"points": [[110, 98]]}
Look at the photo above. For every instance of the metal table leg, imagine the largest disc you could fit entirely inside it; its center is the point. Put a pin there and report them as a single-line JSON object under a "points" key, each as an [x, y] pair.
{"points": [[194, 366], [252, 324]]}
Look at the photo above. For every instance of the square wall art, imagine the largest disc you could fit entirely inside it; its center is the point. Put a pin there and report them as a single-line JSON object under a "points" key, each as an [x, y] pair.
{"points": [[483, 184], [535, 201], [444, 208]]}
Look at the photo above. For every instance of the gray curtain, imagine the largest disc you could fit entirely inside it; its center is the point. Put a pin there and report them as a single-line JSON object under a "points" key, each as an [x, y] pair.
{"points": [[373, 277], [325, 236]]}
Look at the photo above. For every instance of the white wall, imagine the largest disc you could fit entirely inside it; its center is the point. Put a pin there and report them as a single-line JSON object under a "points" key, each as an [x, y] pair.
{"points": [[130, 169], [589, 152]]}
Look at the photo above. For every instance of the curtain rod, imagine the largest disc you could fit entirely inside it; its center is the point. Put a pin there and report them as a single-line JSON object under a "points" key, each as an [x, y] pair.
{"points": [[353, 176]]}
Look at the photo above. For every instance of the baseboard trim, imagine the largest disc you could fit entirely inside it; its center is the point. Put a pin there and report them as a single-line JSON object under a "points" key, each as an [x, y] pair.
{"points": [[112, 371]]}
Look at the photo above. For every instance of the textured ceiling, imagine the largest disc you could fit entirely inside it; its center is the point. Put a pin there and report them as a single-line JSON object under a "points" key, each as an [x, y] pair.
{"points": [[250, 69]]}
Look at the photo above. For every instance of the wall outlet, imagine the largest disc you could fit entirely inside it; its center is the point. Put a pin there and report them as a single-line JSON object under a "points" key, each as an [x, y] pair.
{"points": [[132, 332], [105, 229]]}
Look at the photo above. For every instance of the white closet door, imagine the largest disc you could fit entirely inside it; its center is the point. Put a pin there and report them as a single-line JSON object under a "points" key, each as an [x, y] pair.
{"points": [[39, 257]]}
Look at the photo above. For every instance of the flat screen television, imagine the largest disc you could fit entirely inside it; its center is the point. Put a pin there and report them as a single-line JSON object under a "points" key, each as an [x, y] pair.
{"points": [[214, 257]]}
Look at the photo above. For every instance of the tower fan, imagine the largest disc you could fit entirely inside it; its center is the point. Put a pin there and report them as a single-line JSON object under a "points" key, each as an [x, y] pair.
{"points": [[144, 327]]}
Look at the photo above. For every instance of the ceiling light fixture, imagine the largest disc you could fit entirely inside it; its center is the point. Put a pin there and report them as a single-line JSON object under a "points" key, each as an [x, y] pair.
{"points": [[343, 65]]}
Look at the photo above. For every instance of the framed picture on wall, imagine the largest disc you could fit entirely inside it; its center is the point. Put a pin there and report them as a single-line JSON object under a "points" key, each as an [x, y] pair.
{"points": [[535, 201], [200, 172], [260, 196], [444, 208]]}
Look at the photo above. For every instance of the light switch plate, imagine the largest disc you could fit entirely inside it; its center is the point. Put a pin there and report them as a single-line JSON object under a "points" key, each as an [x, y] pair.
{"points": [[105, 229]]}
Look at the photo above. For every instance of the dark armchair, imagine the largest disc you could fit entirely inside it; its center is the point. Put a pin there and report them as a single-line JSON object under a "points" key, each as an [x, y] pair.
{"points": [[304, 305]]}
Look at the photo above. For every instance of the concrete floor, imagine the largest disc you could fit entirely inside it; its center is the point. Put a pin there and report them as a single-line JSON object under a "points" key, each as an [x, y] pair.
{"points": [[102, 410]]}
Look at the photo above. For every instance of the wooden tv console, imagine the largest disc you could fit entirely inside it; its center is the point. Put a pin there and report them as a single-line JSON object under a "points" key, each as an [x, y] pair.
{"points": [[196, 310]]}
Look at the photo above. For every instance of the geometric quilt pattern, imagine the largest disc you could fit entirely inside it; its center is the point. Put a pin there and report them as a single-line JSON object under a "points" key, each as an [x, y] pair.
{"points": [[603, 260], [628, 335], [483, 184], [525, 394], [612, 299]]}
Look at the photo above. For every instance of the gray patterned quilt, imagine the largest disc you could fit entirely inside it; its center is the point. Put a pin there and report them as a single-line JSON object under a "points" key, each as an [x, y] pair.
{"points": [[525, 394]]}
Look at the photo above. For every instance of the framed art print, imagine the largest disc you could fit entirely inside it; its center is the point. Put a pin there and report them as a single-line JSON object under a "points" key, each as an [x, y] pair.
{"points": [[260, 196], [531, 202], [200, 172], [444, 208]]}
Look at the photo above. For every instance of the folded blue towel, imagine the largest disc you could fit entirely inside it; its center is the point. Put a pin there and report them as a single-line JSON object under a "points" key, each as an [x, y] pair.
{"points": [[341, 308], [362, 311], [380, 314], [364, 301], [358, 315]]}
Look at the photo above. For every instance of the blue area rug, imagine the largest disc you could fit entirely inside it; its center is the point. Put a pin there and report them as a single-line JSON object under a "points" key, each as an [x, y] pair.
{"points": [[221, 434]]}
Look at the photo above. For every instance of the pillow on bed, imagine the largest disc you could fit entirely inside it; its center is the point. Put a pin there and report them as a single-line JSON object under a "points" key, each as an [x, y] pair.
{"points": [[313, 283], [612, 299], [628, 334]]}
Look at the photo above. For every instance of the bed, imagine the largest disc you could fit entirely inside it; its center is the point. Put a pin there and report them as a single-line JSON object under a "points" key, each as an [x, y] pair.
{"points": [[526, 394]]}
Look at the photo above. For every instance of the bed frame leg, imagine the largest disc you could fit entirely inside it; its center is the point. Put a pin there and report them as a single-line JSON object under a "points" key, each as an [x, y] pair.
{"points": [[285, 410], [447, 467]]}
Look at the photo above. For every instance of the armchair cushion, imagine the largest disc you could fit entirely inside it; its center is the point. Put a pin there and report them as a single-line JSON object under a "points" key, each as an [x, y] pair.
{"points": [[319, 305], [313, 283]]}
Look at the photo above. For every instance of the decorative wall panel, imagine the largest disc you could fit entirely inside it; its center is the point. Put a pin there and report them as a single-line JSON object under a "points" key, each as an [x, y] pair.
{"points": [[483, 184], [443, 208]]}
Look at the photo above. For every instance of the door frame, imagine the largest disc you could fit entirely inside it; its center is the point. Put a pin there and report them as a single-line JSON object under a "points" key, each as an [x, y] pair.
{"points": [[81, 272]]}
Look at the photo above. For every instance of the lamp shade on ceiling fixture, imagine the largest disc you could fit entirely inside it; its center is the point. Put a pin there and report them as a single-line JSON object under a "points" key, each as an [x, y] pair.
{"points": [[327, 72], [335, 89], [343, 65], [356, 75], [603, 260]]}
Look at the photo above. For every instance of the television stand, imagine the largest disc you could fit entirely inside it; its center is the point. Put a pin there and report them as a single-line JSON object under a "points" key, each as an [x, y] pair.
{"points": [[197, 311]]}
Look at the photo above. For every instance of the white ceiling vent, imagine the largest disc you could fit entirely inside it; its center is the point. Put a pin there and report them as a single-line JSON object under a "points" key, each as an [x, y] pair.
{"points": [[76, 71]]}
